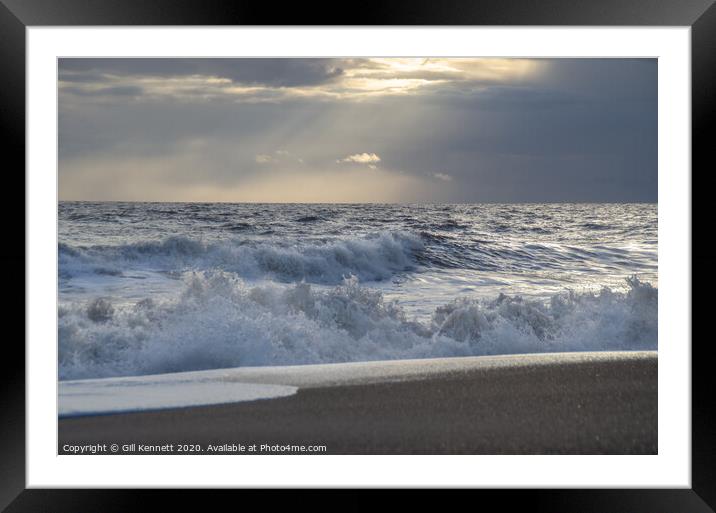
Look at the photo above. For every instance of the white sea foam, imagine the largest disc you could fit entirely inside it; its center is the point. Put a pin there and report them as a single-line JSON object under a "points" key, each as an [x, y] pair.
{"points": [[180, 390], [220, 321]]}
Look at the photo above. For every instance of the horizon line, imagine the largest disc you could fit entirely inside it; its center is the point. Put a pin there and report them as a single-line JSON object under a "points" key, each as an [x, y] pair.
{"points": [[573, 202]]}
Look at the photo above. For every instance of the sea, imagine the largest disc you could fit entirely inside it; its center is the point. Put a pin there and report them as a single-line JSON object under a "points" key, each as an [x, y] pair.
{"points": [[154, 288]]}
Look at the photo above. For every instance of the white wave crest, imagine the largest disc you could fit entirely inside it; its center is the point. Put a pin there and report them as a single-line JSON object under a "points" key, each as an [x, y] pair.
{"points": [[376, 257], [219, 322]]}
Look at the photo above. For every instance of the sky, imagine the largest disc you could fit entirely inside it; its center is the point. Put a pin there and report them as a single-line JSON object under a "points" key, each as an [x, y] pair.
{"points": [[355, 130]]}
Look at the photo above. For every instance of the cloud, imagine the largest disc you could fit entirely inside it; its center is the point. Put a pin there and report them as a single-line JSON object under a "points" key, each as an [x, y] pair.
{"points": [[122, 91], [371, 159], [274, 72], [280, 80], [278, 156], [264, 159], [443, 176], [567, 130]]}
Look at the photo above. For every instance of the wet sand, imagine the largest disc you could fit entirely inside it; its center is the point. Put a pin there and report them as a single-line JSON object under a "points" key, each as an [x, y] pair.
{"points": [[574, 403]]}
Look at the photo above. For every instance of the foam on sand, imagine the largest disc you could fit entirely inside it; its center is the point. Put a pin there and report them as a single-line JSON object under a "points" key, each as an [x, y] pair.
{"points": [[221, 386], [116, 395]]}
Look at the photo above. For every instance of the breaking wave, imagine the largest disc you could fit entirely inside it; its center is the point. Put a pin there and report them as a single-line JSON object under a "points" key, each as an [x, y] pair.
{"points": [[369, 258], [219, 321]]}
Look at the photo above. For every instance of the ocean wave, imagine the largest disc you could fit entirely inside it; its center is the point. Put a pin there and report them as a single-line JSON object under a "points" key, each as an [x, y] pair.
{"points": [[219, 321], [369, 258]]}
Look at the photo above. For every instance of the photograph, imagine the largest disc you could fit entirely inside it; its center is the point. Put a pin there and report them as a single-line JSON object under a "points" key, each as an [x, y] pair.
{"points": [[357, 255], [435, 246]]}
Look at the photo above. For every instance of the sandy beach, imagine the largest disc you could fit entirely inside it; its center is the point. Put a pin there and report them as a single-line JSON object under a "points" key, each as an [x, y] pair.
{"points": [[571, 403]]}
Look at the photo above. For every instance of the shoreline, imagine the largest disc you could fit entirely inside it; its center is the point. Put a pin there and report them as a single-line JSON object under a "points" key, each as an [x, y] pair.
{"points": [[565, 403]]}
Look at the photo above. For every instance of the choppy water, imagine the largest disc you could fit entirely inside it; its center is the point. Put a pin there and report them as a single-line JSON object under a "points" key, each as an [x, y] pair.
{"points": [[163, 287]]}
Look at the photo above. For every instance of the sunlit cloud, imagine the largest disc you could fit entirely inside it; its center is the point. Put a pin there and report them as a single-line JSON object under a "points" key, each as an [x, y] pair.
{"points": [[337, 79], [445, 69], [371, 159]]}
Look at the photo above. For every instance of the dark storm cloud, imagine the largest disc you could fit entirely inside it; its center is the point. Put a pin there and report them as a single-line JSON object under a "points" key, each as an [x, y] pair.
{"points": [[274, 72], [105, 91], [574, 130], [80, 76]]}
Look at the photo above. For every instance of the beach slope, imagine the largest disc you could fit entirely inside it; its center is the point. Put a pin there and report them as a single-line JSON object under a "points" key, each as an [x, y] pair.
{"points": [[567, 403]]}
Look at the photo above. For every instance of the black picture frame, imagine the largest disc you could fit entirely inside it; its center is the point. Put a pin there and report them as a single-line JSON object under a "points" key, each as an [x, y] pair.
{"points": [[17, 15]]}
